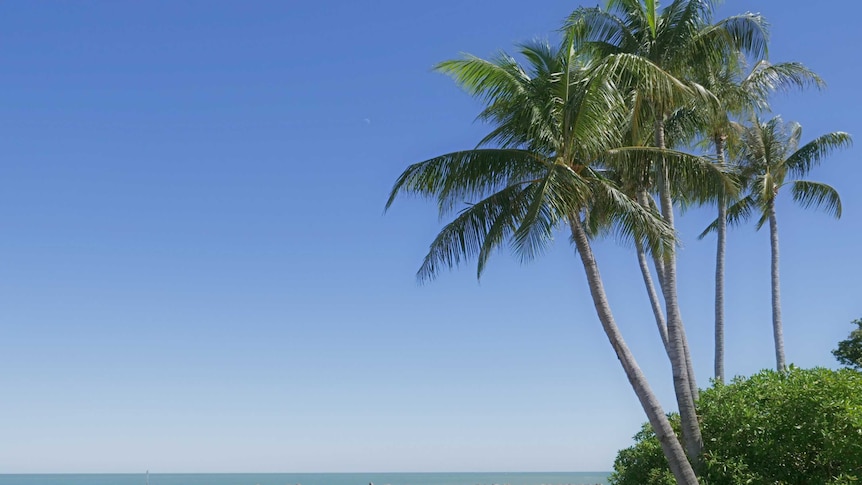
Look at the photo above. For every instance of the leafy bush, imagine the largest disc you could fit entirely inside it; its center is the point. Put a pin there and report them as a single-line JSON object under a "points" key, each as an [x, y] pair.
{"points": [[799, 427], [849, 351], [644, 463]]}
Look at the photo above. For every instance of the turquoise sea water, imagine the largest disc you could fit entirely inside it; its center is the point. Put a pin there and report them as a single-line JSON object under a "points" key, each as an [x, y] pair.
{"points": [[570, 478]]}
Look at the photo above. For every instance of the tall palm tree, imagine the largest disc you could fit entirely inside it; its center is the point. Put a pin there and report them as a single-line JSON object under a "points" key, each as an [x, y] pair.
{"points": [[738, 95], [772, 160], [554, 119], [672, 38]]}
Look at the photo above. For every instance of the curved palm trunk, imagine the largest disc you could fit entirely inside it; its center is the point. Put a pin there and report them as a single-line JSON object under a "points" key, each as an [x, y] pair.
{"points": [[719, 271], [661, 324], [683, 378], [673, 451], [692, 382], [653, 296], [645, 200], [777, 329]]}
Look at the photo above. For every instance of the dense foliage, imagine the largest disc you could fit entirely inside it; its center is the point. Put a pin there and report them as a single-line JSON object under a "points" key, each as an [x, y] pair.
{"points": [[849, 351], [643, 462], [594, 136], [799, 427]]}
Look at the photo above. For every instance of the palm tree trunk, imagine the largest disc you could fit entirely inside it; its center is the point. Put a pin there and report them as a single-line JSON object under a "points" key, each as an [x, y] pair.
{"points": [[777, 329], [673, 451], [653, 296], [719, 271], [646, 201], [692, 382], [683, 377]]}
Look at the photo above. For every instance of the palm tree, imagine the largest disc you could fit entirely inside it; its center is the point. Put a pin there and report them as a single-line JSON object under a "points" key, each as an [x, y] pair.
{"points": [[673, 39], [772, 159], [737, 96], [554, 119]]}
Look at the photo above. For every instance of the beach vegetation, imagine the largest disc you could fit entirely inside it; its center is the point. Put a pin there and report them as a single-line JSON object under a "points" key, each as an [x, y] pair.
{"points": [[771, 159], [849, 350], [801, 426], [607, 132]]}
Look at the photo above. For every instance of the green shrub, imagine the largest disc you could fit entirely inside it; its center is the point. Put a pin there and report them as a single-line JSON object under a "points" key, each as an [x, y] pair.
{"points": [[644, 463], [799, 427], [849, 351]]}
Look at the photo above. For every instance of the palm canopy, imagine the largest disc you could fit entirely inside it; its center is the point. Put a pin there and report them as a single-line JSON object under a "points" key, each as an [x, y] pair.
{"points": [[772, 159], [742, 94], [676, 38], [651, 53], [738, 95], [553, 122]]}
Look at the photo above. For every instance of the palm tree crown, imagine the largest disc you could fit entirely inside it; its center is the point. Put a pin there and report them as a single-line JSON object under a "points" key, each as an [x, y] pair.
{"points": [[772, 159], [555, 122]]}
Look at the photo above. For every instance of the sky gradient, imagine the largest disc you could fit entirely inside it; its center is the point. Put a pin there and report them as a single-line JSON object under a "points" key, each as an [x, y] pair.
{"points": [[196, 274]]}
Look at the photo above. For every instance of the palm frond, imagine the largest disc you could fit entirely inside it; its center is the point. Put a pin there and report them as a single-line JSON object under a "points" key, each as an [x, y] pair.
{"points": [[764, 216], [748, 33], [594, 115], [472, 174], [818, 195], [812, 153], [737, 213], [621, 216], [765, 79], [535, 230], [599, 31], [630, 71], [501, 78], [478, 230], [695, 178]]}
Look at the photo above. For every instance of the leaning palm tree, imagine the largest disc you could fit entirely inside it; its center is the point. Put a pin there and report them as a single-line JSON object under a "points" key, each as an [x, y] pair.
{"points": [[673, 38], [737, 95], [772, 160], [554, 121]]}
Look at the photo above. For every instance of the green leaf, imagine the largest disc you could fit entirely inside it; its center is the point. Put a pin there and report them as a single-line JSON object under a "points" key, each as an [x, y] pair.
{"points": [[815, 194]]}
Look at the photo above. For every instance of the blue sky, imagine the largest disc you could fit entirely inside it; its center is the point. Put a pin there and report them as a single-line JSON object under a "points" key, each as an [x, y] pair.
{"points": [[196, 274]]}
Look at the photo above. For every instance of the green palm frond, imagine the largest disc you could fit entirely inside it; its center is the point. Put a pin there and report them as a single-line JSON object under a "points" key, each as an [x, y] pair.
{"points": [[526, 122], [636, 72], [472, 174], [747, 33], [695, 178], [682, 126], [812, 153], [525, 215], [478, 230], [560, 193], [616, 213], [818, 195], [765, 79], [651, 14], [737, 213], [599, 31], [769, 154], [594, 117], [500, 78], [544, 59], [678, 40], [764, 217], [516, 99]]}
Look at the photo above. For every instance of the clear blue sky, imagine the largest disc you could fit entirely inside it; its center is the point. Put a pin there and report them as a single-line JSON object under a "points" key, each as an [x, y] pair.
{"points": [[196, 274]]}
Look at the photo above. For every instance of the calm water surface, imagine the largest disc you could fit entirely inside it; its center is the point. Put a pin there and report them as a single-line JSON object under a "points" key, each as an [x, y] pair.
{"points": [[313, 479]]}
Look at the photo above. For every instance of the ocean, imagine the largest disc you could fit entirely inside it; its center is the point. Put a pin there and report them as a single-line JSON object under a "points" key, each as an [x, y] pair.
{"points": [[562, 478]]}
